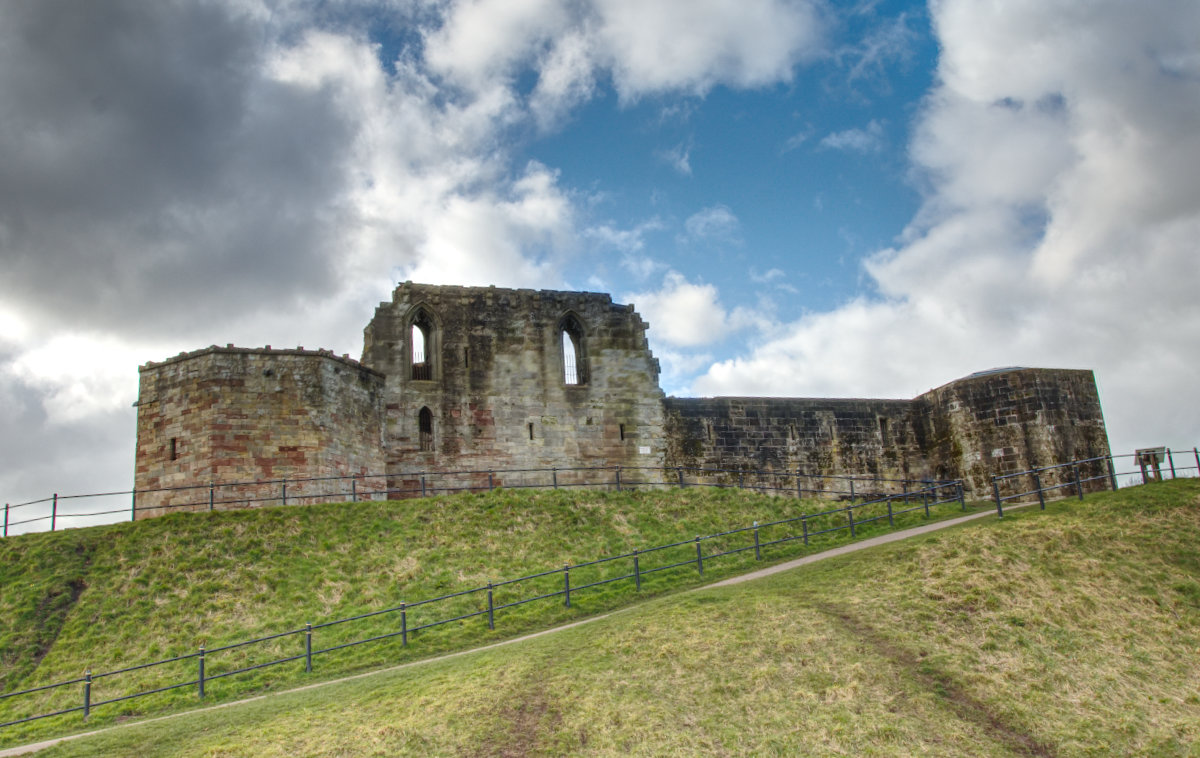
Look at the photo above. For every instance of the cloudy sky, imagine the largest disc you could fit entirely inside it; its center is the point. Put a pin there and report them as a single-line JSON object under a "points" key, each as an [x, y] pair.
{"points": [[802, 197]]}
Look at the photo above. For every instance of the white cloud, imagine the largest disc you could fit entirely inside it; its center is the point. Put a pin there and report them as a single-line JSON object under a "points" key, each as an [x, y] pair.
{"points": [[653, 48], [716, 222], [682, 314], [1058, 230], [678, 158], [867, 140]]}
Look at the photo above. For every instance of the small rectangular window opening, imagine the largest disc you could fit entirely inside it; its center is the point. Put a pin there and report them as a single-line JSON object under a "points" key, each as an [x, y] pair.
{"points": [[174, 448], [530, 430], [622, 431], [883, 430]]}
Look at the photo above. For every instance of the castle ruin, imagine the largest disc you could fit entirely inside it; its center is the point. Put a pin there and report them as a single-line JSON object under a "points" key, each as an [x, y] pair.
{"points": [[490, 379]]}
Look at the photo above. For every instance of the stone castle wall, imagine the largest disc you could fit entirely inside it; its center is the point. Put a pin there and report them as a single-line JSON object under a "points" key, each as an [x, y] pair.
{"points": [[494, 383], [484, 379], [224, 415], [1002, 422], [805, 437]]}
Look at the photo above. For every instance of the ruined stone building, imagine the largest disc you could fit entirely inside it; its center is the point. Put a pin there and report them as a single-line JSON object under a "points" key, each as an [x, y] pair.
{"points": [[485, 379]]}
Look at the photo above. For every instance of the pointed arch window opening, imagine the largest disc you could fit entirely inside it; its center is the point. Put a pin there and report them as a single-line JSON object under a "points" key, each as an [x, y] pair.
{"points": [[574, 363], [425, 423], [421, 340]]}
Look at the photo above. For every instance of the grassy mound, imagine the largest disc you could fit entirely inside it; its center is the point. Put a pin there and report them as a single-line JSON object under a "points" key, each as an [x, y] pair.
{"points": [[106, 598], [1069, 632]]}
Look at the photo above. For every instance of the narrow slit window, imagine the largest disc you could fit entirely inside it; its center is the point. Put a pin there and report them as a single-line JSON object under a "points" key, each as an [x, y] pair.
{"points": [[174, 448], [530, 430], [425, 422], [622, 432], [883, 430]]}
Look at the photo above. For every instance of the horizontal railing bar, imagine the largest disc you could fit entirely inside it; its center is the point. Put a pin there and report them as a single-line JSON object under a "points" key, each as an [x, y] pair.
{"points": [[223, 674], [140, 666], [41, 716], [515, 603], [43, 687], [147, 692], [255, 641]]}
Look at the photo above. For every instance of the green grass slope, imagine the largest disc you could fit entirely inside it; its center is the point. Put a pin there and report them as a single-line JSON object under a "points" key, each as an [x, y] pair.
{"points": [[109, 597], [1073, 632]]}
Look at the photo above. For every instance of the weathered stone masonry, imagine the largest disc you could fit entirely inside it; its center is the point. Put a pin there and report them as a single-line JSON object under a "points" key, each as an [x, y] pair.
{"points": [[484, 378], [226, 414]]}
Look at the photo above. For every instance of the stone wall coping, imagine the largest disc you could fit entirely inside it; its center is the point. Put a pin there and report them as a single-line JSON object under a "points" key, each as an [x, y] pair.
{"points": [[982, 376], [265, 351], [788, 399], [456, 289]]}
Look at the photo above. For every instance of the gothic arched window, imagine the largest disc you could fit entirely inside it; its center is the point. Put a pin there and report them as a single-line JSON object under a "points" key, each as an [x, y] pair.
{"points": [[574, 353], [423, 343]]}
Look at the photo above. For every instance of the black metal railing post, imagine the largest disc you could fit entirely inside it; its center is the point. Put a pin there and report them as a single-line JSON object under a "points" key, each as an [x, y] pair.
{"points": [[925, 499], [996, 493], [87, 694], [491, 482], [491, 609], [422, 485], [133, 504], [554, 477], [211, 495], [283, 492], [757, 547], [353, 490], [54, 512], [962, 496], [852, 489], [850, 514], [699, 557], [679, 471], [1037, 485], [891, 519], [308, 648], [1171, 463], [804, 526], [200, 679], [403, 625], [1112, 472], [1078, 485], [618, 470], [567, 584], [799, 489], [637, 571], [6, 519]]}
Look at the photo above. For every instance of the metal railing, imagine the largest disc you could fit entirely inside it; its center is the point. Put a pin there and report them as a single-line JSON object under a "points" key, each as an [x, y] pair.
{"points": [[551, 584], [52, 511], [1081, 476], [557, 582]]}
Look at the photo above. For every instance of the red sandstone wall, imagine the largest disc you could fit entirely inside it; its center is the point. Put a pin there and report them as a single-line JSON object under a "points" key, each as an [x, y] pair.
{"points": [[230, 415]]}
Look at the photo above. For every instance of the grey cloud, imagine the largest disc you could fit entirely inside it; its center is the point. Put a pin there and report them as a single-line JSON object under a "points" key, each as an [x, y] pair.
{"points": [[151, 167]]}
